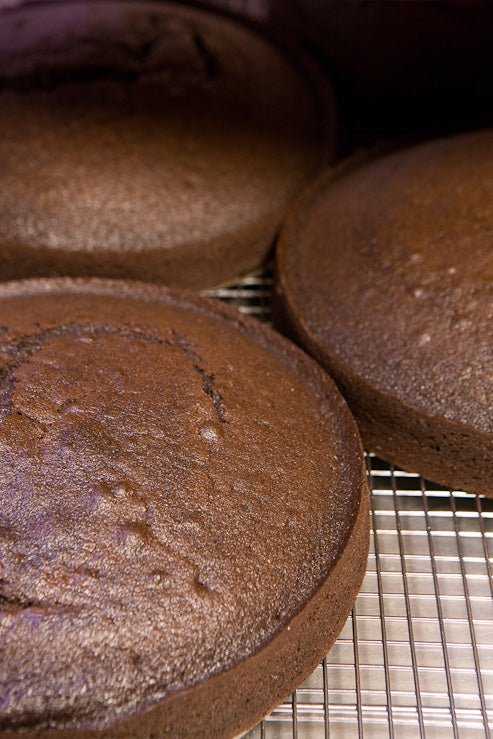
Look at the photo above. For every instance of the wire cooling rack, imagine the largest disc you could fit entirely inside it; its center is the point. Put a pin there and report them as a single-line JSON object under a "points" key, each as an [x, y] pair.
{"points": [[415, 657]]}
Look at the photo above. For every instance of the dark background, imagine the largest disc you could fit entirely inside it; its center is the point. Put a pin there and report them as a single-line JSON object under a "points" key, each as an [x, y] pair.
{"points": [[400, 68]]}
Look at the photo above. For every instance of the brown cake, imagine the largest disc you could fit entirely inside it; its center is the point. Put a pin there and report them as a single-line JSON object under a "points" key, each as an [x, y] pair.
{"points": [[184, 520], [148, 140], [385, 274]]}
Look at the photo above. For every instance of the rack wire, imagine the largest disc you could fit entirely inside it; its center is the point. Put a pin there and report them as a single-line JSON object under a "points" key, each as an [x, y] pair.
{"points": [[415, 658]]}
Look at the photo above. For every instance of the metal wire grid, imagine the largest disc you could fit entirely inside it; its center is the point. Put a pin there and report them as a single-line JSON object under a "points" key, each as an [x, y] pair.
{"points": [[415, 657]]}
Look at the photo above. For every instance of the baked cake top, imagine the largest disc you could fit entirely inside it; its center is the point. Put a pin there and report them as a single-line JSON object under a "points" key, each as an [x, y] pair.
{"points": [[135, 126], [387, 268], [177, 482]]}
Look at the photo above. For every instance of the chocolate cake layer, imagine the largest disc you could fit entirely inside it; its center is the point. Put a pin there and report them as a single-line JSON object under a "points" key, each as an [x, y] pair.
{"points": [[148, 140], [184, 520], [385, 274]]}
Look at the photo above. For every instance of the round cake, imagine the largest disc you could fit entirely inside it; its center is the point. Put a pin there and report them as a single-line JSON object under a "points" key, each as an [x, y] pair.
{"points": [[385, 274], [184, 522], [148, 140]]}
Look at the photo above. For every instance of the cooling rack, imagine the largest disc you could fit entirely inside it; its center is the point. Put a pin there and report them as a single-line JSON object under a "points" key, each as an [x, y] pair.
{"points": [[415, 657]]}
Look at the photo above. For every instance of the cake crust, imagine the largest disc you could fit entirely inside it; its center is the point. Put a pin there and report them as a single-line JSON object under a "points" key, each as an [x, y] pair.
{"points": [[384, 274], [176, 552], [149, 140]]}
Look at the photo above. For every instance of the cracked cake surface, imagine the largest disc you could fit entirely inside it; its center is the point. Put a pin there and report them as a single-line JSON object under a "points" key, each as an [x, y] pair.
{"points": [[385, 274], [184, 519], [147, 140]]}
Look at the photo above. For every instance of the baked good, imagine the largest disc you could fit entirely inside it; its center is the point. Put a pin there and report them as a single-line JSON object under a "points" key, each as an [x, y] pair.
{"points": [[184, 513], [148, 140], [385, 274]]}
